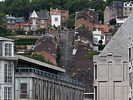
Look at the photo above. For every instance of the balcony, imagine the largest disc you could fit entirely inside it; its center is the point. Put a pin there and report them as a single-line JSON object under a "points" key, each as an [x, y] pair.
{"points": [[48, 75]]}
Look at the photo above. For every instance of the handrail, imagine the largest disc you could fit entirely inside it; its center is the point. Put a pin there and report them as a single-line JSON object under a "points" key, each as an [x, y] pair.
{"points": [[48, 75]]}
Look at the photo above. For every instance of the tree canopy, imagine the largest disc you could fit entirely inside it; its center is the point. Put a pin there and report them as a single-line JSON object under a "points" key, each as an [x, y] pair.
{"points": [[20, 8]]}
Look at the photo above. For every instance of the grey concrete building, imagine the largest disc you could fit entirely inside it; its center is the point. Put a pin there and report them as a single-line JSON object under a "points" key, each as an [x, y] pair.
{"points": [[111, 79], [23, 78], [35, 80], [130, 59]]}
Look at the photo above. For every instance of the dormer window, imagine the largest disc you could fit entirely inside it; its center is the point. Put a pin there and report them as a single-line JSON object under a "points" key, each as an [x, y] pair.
{"points": [[8, 49], [1, 49]]}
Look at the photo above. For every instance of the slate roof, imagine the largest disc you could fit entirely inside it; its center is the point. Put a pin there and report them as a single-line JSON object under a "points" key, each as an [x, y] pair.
{"points": [[20, 20], [40, 14], [118, 45]]}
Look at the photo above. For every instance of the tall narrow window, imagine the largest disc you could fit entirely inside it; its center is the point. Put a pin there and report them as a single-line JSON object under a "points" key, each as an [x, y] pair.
{"points": [[1, 49], [110, 70], [129, 54], [95, 71], [23, 91], [95, 88], [7, 93], [8, 49], [8, 73]]}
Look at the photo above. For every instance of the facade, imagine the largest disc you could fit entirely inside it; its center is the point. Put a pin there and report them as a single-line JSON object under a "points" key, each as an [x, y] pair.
{"points": [[130, 57], [7, 64], [59, 17], [82, 65], [35, 80], [118, 5], [111, 79], [86, 18], [48, 47], [10, 22], [39, 19], [55, 17], [109, 13], [16, 23], [128, 8]]}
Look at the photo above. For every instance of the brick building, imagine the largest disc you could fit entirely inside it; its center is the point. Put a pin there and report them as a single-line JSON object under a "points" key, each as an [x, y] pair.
{"points": [[86, 18]]}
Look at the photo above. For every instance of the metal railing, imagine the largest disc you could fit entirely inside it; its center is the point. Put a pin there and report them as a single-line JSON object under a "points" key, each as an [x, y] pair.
{"points": [[48, 75]]}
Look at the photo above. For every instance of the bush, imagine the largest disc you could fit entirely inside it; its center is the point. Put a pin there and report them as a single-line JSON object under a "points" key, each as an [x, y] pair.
{"points": [[92, 53], [23, 41]]}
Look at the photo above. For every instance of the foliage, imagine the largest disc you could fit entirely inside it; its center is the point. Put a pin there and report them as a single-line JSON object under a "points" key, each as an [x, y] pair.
{"points": [[101, 47], [40, 31], [70, 23], [37, 56], [92, 53], [20, 32], [5, 32], [22, 41], [2, 21]]}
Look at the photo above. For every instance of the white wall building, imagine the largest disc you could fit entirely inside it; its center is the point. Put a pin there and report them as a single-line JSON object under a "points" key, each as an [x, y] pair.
{"points": [[111, 78], [7, 65], [55, 20]]}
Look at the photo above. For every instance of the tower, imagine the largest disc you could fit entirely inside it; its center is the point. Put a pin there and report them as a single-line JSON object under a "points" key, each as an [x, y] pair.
{"points": [[7, 64]]}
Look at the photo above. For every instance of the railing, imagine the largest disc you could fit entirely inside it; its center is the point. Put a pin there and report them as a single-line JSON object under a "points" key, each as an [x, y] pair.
{"points": [[48, 75]]}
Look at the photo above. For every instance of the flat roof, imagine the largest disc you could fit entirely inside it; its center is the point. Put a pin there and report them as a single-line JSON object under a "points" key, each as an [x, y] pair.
{"points": [[40, 63]]}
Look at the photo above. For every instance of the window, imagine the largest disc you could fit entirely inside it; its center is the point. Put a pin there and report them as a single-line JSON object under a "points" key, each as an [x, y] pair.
{"points": [[95, 71], [23, 91], [130, 9], [8, 73], [95, 89], [56, 19], [8, 49], [42, 21], [0, 49], [7, 93], [125, 8], [129, 54]]}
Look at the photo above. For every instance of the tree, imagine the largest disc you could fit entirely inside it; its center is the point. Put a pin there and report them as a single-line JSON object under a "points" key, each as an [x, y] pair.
{"points": [[37, 56], [2, 19]]}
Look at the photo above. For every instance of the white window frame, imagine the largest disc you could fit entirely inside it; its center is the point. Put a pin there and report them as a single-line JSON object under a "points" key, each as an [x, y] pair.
{"points": [[8, 93], [9, 48], [8, 73]]}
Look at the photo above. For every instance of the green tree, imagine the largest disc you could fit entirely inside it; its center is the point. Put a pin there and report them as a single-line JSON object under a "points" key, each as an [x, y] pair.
{"points": [[37, 56], [2, 19]]}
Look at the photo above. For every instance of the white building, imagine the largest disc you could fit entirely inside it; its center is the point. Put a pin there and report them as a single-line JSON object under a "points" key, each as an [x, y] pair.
{"points": [[111, 78], [55, 17], [7, 60], [97, 36]]}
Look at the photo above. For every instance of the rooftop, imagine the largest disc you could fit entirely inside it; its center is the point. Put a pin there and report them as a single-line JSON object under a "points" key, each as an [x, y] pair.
{"points": [[41, 63], [5, 39], [119, 43]]}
